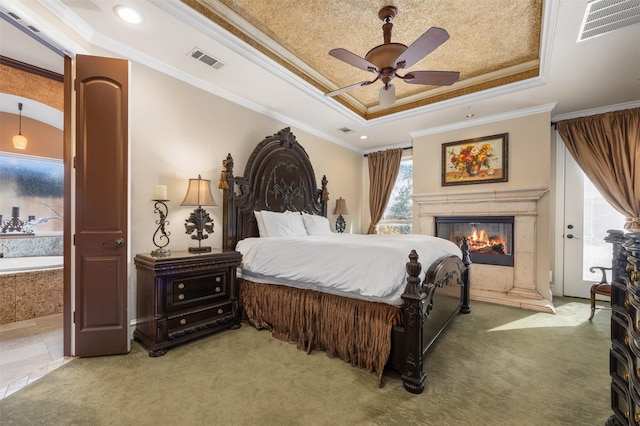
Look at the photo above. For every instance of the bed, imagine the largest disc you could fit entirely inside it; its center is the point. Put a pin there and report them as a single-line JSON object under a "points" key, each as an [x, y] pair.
{"points": [[369, 330]]}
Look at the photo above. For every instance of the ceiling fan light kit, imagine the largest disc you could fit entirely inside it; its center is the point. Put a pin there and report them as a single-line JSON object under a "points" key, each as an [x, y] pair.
{"points": [[386, 59]]}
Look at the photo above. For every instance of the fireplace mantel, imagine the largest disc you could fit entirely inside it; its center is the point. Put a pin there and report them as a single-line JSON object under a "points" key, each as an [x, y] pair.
{"points": [[513, 200], [512, 286]]}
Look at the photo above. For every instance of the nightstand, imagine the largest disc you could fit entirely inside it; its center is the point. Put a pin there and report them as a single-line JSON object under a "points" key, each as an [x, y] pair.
{"points": [[185, 296]]}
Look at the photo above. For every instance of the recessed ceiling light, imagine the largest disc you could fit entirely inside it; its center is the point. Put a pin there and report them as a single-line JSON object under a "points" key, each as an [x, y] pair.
{"points": [[363, 137], [128, 14]]}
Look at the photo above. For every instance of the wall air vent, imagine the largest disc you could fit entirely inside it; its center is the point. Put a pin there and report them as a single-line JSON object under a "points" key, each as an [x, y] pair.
{"points": [[604, 16], [345, 130], [205, 58]]}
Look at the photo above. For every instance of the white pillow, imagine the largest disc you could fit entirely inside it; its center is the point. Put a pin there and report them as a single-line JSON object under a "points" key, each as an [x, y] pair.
{"points": [[283, 224], [262, 229], [316, 225]]}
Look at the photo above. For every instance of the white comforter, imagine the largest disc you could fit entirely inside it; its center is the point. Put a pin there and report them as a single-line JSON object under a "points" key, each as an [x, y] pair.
{"points": [[368, 267]]}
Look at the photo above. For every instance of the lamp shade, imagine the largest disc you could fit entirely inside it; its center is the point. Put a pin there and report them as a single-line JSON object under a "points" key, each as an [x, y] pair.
{"points": [[199, 193], [19, 142], [341, 206]]}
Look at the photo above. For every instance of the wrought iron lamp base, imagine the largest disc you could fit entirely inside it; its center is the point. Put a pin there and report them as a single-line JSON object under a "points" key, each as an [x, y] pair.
{"points": [[340, 224], [199, 222]]}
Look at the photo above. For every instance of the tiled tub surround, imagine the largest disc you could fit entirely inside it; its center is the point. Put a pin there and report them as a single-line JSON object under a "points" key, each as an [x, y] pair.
{"points": [[31, 280], [30, 294], [504, 285]]}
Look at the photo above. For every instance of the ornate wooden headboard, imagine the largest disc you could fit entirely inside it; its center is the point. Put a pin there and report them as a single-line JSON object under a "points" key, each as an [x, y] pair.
{"points": [[278, 177]]}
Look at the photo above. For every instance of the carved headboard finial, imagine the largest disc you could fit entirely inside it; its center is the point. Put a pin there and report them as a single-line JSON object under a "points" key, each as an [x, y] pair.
{"points": [[324, 196], [227, 172]]}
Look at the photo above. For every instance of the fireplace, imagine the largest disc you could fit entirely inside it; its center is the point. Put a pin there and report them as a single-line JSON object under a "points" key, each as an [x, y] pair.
{"points": [[490, 237], [517, 285]]}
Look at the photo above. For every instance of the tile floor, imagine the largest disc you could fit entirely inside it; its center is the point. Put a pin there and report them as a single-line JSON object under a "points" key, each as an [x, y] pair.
{"points": [[29, 350]]}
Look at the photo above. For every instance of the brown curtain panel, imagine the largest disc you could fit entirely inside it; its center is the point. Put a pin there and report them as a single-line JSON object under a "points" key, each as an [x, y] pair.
{"points": [[607, 148], [383, 171]]}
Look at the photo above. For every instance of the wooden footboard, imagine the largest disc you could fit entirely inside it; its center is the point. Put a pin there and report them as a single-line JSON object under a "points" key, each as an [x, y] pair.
{"points": [[427, 312]]}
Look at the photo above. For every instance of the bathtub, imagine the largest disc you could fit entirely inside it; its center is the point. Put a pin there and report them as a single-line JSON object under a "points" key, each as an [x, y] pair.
{"points": [[9, 265]]}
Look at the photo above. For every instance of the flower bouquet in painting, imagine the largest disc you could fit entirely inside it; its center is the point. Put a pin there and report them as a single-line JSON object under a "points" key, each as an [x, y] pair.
{"points": [[475, 160]]}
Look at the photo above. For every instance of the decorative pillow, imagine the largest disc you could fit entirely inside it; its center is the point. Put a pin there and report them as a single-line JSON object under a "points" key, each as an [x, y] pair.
{"points": [[316, 225], [262, 229], [283, 224]]}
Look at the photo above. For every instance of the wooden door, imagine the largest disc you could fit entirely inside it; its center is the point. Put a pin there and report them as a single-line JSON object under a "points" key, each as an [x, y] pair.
{"points": [[101, 200]]}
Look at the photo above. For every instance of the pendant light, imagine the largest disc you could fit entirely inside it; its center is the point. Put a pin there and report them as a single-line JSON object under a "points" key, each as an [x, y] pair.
{"points": [[19, 141]]}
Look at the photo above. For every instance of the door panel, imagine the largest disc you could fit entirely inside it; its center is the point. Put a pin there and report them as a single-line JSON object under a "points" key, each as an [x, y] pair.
{"points": [[101, 317], [587, 218]]}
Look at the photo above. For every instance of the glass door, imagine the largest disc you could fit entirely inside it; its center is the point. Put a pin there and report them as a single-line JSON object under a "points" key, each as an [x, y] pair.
{"points": [[587, 218]]}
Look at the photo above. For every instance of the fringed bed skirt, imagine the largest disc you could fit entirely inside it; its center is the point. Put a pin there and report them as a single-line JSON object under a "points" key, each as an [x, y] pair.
{"points": [[356, 331]]}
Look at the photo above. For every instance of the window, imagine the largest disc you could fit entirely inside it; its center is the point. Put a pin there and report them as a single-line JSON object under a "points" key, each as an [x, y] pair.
{"points": [[398, 216], [31, 189]]}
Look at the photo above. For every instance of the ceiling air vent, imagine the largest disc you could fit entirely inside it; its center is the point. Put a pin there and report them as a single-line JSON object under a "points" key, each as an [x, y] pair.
{"points": [[604, 16], [207, 59], [345, 130]]}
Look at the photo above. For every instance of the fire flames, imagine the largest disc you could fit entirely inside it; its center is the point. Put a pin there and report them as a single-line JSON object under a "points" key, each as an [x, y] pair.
{"points": [[480, 242]]}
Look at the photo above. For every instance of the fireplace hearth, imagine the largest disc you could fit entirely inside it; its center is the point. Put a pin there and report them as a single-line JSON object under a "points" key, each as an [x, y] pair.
{"points": [[490, 237]]}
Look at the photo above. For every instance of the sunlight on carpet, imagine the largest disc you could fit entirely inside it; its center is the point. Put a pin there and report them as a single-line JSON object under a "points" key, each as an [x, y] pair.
{"points": [[572, 314]]}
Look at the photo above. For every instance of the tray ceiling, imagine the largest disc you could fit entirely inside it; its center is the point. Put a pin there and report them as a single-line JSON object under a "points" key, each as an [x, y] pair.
{"points": [[492, 42]]}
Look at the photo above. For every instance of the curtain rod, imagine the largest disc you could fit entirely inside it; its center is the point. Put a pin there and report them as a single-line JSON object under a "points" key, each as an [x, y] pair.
{"points": [[406, 147]]}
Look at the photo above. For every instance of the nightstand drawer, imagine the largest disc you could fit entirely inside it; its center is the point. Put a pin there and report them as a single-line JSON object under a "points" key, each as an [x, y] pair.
{"points": [[201, 289], [191, 322]]}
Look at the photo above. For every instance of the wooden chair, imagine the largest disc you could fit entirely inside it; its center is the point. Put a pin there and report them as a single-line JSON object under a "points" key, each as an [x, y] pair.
{"points": [[602, 288]]}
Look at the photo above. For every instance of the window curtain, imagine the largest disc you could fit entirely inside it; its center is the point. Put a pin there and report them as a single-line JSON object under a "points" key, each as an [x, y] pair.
{"points": [[383, 171], [607, 148]]}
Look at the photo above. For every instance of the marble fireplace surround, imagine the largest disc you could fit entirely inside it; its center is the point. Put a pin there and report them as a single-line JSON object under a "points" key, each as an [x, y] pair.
{"points": [[504, 285]]}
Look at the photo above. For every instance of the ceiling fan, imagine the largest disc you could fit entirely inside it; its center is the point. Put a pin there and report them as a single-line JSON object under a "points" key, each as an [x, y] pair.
{"points": [[386, 59]]}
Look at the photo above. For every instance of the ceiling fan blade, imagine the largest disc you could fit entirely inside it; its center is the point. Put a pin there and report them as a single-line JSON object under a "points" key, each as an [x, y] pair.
{"points": [[425, 44], [353, 59], [432, 78], [347, 88], [387, 95]]}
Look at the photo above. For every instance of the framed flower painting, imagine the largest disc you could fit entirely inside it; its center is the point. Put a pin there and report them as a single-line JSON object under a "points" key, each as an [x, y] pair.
{"points": [[480, 160]]}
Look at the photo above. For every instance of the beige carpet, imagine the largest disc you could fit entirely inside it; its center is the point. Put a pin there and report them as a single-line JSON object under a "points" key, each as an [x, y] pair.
{"points": [[497, 366]]}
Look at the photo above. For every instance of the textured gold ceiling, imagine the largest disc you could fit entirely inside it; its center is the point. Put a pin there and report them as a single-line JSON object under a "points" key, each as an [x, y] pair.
{"points": [[492, 42]]}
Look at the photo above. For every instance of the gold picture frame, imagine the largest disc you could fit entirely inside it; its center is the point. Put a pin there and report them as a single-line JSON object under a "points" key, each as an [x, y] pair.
{"points": [[479, 160]]}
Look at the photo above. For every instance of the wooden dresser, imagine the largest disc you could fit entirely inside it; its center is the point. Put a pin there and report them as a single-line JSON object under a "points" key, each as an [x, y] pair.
{"points": [[624, 356], [185, 296]]}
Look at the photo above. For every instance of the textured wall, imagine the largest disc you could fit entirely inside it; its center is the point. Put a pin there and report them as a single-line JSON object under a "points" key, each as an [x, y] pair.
{"points": [[41, 89]]}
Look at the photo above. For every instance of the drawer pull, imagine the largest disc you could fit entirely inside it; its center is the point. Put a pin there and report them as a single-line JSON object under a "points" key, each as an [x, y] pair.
{"points": [[634, 276], [626, 340], [218, 279], [218, 289], [181, 286], [220, 311], [183, 321], [625, 376], [181, 297], [637, 417], [627, 304], [626, 414]]}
